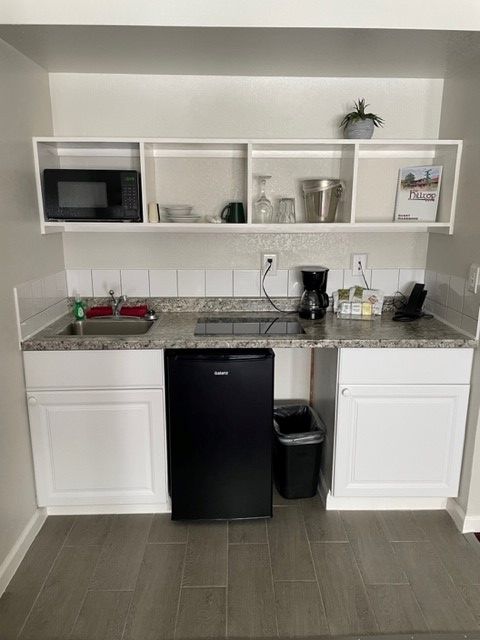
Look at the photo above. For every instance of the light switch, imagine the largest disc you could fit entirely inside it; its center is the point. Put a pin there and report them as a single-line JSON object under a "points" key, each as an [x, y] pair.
{"points": [[473, 278]]}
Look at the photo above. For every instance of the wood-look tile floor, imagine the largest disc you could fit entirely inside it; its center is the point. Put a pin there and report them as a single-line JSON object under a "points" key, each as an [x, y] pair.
{"points": [[307, 572]]}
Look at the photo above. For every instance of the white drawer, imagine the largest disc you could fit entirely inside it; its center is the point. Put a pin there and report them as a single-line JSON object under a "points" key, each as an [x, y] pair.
{"points": [[93, 369], [405, 366]]}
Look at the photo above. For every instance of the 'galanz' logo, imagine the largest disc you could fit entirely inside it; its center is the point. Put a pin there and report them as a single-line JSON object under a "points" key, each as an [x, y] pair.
{"points": [[221, 373]]}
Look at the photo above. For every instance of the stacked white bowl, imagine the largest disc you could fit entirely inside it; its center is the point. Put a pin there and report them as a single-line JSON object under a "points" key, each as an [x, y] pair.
{"points": [[180, 213]]}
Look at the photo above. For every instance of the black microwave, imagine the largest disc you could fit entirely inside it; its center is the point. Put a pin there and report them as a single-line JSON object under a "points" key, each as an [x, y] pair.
{"points": [[92, 195]]}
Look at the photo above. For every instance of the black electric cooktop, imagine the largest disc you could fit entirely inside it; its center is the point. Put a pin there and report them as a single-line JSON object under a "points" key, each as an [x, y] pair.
{"points": [[218, 326]]}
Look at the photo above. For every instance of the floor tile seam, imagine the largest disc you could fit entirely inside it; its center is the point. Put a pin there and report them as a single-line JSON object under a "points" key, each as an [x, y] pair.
{"points": [[412, 586], [166, 542], [269, 554], [328, 541], [394, 540], [424, 617], [46, 577], [315, 572], [314, 581], [404, 571], [87, 589], [357, 538], [150, 528], [124, 546], [383, 525], [95, 590], [463, 599], [204, 586], [365, 590], [130, 604], [389, 535], [181, 584], [241, 543], [386, 584]]}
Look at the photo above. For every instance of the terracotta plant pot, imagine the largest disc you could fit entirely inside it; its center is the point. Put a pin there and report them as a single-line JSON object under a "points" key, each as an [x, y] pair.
{"points": [[359, 129]]}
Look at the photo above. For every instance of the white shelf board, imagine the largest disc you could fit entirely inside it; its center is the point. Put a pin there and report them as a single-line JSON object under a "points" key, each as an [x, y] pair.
{"points": [[205, 227]]}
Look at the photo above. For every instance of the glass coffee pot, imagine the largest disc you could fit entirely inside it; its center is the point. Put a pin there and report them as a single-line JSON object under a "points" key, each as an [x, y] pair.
{"points": [[314, 300]]}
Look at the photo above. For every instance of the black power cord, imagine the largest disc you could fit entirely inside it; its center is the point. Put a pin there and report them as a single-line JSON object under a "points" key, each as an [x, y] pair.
{"points": [[363, 274], [269, 260]]}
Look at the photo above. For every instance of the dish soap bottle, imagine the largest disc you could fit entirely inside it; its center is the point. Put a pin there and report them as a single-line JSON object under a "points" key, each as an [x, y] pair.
{"points": [[79, 309]]}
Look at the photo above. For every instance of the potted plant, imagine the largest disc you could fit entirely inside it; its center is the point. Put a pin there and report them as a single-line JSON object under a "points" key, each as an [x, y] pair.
{"points": [[358, 124]]}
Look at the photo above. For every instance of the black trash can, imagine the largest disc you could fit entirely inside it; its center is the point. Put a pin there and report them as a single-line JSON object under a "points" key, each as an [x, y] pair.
{"points": [[299, 434]]}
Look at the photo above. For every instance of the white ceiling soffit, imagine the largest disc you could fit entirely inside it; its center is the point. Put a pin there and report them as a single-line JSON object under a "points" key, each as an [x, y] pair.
{"points": [[262, 52], [377, 14]]}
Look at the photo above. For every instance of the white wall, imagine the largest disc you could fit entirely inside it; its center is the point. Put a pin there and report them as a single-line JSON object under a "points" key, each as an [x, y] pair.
{"points": [[223, 251], [451, 255], [222, 106], [24, 255], [205, 106]]}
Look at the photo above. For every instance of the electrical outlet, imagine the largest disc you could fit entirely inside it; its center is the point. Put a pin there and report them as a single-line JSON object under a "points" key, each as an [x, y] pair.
{"points": [[356, 259], [473, 278], [265, 258]]}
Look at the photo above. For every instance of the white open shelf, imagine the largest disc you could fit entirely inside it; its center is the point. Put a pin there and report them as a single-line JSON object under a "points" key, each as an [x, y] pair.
{"points": [[208, 173]]}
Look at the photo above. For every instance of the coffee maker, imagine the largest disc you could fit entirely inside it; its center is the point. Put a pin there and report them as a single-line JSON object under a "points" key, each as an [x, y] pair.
{"points": [[314, 300]]}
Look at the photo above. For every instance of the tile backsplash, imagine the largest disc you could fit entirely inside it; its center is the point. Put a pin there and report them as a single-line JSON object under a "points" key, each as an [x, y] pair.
{"points": [[225, 282], [449, 299], [39, 302]]}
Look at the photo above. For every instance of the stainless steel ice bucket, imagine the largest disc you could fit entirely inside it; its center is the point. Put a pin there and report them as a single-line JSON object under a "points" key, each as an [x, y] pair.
{"points": [[321, 199]]}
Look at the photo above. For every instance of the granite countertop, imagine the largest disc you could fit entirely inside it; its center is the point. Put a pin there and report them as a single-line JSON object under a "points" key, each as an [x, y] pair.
{"points": [[175, 329]]}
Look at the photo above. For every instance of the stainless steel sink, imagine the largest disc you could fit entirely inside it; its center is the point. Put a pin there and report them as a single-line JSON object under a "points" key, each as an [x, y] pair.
{"points": [[107, 327]]}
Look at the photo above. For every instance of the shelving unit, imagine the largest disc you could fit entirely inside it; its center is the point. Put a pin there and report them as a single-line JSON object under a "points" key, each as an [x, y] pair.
{"points": [[210, 173]]}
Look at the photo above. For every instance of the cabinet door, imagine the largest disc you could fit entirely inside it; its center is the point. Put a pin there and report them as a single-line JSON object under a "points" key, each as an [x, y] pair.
{"points": [[399, 440], [98, 447]]}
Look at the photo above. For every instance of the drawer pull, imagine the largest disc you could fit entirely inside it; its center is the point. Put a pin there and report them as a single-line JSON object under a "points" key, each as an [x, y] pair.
{"points": [[346, 392], [32, 401]]}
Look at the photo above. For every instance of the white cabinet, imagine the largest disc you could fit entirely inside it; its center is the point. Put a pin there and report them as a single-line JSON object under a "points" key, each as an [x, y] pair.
{"points": [[399, 439], [97, 446]]}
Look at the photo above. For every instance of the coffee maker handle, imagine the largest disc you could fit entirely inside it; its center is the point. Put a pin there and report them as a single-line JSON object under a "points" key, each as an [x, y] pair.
{"points": [[326, 300], [227, 209]]}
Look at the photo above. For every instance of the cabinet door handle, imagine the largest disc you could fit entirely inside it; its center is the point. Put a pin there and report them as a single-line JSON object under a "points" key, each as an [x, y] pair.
{"points": [[32, 401], [346, 392]]}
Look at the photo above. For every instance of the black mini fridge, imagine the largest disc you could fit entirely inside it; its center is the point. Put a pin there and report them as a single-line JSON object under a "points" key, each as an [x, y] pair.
{"points": [[219, 430]]}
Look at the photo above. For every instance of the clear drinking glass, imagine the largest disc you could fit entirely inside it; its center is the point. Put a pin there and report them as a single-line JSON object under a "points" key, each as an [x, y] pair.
{"points": [[263, 208], [286, 211]]}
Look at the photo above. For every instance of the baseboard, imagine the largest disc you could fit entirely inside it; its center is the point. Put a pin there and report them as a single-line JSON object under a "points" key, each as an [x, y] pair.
{"points": [[457, 513], [323, 488], [101, 509], [464, 523], [354, 503], [20, 548]]}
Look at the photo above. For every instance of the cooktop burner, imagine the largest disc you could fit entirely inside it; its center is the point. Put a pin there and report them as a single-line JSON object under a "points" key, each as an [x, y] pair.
{"points": [[218, 326]]}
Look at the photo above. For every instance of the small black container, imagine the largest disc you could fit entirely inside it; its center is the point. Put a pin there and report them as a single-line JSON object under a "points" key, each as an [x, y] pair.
{"points": [[299, 434]]}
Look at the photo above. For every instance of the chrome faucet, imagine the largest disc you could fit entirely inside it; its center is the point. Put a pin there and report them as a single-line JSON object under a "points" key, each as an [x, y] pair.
{"points": [[117, 303]]}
